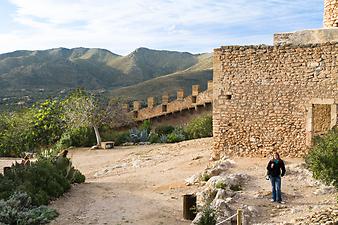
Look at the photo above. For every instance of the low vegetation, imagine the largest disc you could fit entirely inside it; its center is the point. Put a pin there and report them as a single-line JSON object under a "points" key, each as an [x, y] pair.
{"points": [[322, 159], [18, 210], [208, 216], [25, 190], [56, 124], [197, 128], [43, 180]]}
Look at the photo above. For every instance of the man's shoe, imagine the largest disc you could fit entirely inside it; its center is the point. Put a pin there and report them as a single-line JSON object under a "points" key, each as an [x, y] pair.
{"points": [[281, 202], [272, 200]]}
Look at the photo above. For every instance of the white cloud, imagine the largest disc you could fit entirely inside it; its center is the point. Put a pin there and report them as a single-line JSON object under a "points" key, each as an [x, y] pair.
{"points": [[123, 25]]}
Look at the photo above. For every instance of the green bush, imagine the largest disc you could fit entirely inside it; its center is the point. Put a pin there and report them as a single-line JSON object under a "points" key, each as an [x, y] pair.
{"points": [[176, 136], [76, 137], [18, 210], [220, 185], [163, 138], [146, 125], [164, 130], [322, 159], [137, 135], [16, 133], [43, 180], [48, 122], [208, 216], [205, 177], [121, 137], [199, 127], [154, 138], [78, 177]]}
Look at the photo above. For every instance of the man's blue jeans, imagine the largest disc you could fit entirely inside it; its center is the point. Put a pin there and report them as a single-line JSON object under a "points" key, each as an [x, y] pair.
{"points": [[276, 184]]}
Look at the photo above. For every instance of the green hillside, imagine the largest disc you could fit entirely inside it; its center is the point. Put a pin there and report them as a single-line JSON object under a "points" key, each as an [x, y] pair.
{"points": [[26, 76]]}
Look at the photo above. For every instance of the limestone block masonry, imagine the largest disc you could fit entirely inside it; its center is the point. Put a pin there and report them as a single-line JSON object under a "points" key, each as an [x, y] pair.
{"points": [[192, 102], [263, 96], [330, 13]]}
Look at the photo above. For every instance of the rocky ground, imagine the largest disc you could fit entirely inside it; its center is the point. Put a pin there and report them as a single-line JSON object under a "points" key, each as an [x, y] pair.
{"points": [[144, 185]]}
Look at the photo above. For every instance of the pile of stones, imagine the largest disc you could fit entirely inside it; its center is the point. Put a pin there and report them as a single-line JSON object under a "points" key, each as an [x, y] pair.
{"points": [[218, 190], [324, 217]]}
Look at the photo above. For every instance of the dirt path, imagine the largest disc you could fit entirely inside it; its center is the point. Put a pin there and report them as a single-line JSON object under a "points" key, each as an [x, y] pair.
{"points": [[132, 185], [143, 185]]}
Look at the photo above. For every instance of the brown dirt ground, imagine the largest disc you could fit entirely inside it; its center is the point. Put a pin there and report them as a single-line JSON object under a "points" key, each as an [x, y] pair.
{"points": [[144, 185]]}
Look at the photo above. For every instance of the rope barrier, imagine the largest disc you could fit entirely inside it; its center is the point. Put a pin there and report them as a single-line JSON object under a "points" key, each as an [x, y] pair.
{"points": [[239, 215], [220, 223]]}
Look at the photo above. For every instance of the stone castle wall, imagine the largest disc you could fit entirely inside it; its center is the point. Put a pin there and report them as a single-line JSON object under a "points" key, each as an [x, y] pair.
{"points": [[263, 96], [330, 13], [194, 101]]}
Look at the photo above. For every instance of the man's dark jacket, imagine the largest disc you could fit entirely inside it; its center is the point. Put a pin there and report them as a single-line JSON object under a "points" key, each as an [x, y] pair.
{"points": [[277, 168]]}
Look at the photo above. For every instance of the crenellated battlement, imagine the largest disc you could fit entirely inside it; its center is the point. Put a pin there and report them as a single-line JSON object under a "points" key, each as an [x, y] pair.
{"points": [[166, 107]]}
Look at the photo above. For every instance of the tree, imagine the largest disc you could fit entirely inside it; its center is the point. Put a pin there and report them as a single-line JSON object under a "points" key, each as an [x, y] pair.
{"points": [[82, 109], [48, 121]]}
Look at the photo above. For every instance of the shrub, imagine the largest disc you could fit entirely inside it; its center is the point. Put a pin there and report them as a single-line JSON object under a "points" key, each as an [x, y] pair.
{"points": [[121, 137], [200, 127], [205, 177], [208, 216], [137, 135], [43, 180], [176, 136], [76, 137], [164, 129], [146, 125], [163, 138], [19, 210], [322, 159], [154, 138], [16, 133], [48, 122], [220, 185], [78, 177], [81, 137]]}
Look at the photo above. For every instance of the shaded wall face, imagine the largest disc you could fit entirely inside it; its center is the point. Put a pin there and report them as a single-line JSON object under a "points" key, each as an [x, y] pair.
{"points": [[330, 13], [261, 96]]}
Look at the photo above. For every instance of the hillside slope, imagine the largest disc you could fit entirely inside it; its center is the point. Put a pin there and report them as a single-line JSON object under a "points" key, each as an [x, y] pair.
{"points": [[29, 73], [169, 83]]}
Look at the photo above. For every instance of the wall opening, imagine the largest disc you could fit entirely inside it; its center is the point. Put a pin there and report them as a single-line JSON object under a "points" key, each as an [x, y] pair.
{"points": [[194, 99], [135, 114], [164, 108], [321, 119], [228, 97]]}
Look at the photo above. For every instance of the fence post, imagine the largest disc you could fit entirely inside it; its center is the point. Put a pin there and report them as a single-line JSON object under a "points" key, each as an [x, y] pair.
{"points": [[239, 216], [189, 207]]}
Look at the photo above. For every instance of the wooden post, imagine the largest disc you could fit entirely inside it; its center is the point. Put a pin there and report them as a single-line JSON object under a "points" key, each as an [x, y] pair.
{"points": [[189, 207], [239, 216]]}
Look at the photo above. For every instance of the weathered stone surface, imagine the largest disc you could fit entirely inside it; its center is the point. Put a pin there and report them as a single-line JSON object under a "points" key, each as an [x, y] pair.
{"points": [[182, 102], [262, 96], [306, 37], [330, 13], [325, 216]]}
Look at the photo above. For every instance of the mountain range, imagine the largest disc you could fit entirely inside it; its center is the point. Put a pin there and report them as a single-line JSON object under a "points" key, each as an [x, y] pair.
{"points": [[29, 75]]}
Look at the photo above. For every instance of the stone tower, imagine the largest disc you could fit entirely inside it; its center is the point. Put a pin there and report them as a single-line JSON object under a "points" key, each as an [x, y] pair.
{"points": [[330, 13]]}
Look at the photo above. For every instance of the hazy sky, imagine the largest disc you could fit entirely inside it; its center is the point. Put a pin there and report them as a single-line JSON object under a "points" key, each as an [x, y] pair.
{"points": [[123, 25]]}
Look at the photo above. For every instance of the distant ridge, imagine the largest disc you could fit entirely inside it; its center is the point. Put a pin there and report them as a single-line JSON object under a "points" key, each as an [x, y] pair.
{"points": [[25, 73]]}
